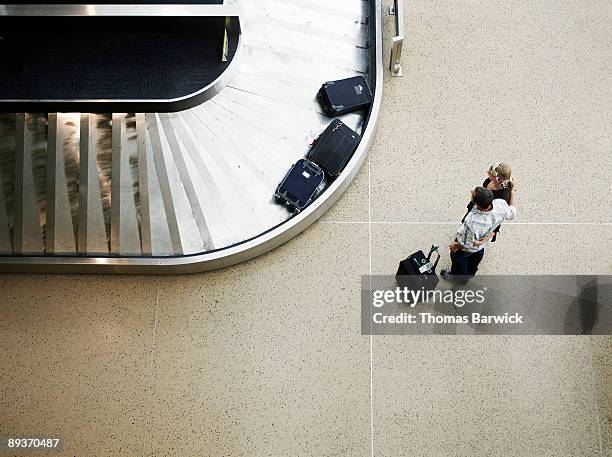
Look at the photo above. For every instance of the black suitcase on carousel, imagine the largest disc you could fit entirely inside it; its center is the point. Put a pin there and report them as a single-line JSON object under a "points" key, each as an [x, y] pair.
{"points": [[417, 271], [300, 185], [334, 147], [344, 96]]}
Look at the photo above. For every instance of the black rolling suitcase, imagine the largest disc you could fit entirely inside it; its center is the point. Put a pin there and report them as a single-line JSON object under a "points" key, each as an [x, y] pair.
{"points": [[417, 271], [344, 96], [334, 147], [300, 185]]}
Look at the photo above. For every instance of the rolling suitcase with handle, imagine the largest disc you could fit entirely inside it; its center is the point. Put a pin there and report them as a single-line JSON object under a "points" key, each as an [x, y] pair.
{"points": [[300, 185], [344, 96], [334, 147], [417, 271]]}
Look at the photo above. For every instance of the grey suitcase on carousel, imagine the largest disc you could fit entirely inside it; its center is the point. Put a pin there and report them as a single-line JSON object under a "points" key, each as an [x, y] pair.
{"points": [[344, 96], [300, 185]]}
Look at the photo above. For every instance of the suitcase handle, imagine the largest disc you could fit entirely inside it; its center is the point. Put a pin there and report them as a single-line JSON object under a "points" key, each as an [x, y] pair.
{"points": [[434, 248]]}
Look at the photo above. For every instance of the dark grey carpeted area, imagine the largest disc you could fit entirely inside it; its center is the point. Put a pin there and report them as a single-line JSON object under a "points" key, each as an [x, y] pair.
{"points": [[124, 59]]}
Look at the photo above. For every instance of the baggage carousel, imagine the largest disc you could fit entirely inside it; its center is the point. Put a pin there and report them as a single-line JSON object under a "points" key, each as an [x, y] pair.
{"points": [[188, 189]]}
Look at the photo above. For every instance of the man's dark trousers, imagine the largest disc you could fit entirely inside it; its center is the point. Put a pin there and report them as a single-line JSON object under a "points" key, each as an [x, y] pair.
{"points": [[465, 263]]}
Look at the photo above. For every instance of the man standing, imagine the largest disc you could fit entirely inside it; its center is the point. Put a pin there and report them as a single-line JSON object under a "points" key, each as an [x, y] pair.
{"points": [[476, 231]]}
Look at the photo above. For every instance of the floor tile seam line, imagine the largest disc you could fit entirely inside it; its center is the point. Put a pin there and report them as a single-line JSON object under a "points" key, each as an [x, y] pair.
{"points": [[150, 371], [561, 223], [595, 397], [603, 224], [370, 286]]}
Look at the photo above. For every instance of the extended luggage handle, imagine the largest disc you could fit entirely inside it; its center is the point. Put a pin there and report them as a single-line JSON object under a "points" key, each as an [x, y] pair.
{"points": [[434, 248]]}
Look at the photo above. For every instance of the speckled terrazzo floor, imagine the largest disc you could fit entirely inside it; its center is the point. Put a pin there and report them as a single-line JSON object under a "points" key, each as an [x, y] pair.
{"points": [[266, 358]]}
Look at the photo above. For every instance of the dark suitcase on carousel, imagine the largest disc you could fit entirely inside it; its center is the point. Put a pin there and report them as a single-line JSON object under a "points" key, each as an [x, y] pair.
{"points": [[300, 185], [417, 271], [334, 147], [344, 96]]}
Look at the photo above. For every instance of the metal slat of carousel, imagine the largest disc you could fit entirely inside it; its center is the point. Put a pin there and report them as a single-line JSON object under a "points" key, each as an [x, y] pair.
{"points": [[191, 190]]}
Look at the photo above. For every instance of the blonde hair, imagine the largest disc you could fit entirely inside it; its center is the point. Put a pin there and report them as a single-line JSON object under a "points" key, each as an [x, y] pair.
{"points": [[504, 174]]}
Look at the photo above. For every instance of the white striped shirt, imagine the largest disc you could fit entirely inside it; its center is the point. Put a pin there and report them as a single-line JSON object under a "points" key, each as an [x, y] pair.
{"points": [[478, 224]]}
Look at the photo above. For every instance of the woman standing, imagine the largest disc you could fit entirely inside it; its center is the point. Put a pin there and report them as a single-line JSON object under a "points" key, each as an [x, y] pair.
{"points": [[501, 182]]}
